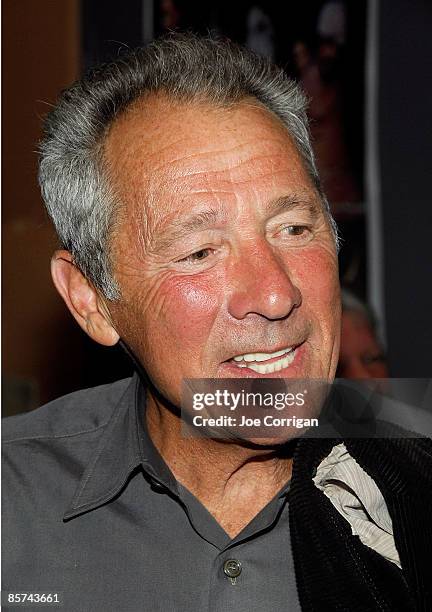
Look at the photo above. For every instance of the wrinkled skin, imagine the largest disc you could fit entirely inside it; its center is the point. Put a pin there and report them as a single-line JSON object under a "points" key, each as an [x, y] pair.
{"points": [[255, 268]]}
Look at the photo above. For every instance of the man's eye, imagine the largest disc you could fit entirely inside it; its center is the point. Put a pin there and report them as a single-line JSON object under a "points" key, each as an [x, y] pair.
{"points": [[197, 256], [295, 230]]}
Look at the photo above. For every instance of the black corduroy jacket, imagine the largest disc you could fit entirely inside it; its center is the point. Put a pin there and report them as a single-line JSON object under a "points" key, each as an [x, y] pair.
{"points": [[334, 570]]}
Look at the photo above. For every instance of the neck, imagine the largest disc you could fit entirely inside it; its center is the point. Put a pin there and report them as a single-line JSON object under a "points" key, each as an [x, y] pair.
{"points": [[233, 480]]}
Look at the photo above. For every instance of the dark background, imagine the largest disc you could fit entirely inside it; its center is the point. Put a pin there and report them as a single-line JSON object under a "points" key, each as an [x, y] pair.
{"points": [[49, 43]]}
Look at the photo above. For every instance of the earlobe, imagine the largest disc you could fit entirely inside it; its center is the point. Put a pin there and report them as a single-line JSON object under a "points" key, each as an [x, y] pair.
{"points": [[82, 299]]}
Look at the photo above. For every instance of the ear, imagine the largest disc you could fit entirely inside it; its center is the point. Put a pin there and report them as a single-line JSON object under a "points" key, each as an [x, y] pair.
{"points": [[82, 299]]}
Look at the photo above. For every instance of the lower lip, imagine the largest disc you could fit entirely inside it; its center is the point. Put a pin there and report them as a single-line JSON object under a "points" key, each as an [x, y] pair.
{"points": [[229, 370]]}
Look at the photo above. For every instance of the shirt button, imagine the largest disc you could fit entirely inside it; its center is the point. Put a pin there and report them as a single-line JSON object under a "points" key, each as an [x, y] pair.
{"points": [[232, 568]]}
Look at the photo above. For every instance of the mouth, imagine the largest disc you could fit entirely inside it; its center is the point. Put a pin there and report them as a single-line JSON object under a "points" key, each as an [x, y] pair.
{"points": [[265, 363]]}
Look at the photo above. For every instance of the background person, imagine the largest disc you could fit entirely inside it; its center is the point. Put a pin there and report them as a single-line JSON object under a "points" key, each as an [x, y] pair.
{"points": [[361, 354]]}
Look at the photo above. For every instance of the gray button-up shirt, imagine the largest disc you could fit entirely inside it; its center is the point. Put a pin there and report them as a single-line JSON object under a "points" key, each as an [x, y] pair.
{"points": [[93, 513]]}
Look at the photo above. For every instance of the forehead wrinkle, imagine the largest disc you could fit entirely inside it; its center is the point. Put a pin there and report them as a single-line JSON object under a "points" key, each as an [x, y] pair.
{"points": [[128, 151], [194, 176], [227, 167], [211, 154], [226, 181], [142, 142], [154, 147]]}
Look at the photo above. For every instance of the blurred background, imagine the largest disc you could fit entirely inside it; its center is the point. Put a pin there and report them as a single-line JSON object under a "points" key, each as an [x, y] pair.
{"points": [[366, 67]]}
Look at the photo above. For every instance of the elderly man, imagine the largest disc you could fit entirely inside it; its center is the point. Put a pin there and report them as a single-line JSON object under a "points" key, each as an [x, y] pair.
{"points": [[182, 185]]}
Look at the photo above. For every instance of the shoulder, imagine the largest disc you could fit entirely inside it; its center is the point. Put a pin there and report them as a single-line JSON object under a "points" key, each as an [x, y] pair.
{"points": [[399, 464], [45, 454], [76, 414]]}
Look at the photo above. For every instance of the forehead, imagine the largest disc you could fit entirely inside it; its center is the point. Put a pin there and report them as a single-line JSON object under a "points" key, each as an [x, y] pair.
{"points": [[159, 149]]}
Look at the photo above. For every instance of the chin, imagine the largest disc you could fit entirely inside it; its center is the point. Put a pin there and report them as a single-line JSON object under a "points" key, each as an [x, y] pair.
{"points": [[258, 437], [274, 443], [269, 443]]}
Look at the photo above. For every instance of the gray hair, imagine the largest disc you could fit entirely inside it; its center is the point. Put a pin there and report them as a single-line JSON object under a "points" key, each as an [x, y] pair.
{"points": [[74, 185]]}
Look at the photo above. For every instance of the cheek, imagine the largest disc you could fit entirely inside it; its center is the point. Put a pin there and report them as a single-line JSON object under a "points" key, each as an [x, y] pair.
{"points": [[316, 274], [190, 306], [321, 291]]}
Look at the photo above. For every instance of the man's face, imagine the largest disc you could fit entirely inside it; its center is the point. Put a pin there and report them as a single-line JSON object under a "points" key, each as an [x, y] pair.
{"points": [[222, 250]]}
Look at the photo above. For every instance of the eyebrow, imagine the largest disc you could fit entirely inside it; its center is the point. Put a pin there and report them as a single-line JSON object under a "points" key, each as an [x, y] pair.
{"points": [[294, 202], [214, 216], [199, 221]]}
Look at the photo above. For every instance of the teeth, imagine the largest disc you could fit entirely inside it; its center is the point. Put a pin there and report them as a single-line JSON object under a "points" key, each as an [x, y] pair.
{"points": [[269, 368], [276, 366], [262, 356]]}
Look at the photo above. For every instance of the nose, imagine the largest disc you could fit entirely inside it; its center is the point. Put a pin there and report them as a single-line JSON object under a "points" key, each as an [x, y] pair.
{"points": [[260, 284]]}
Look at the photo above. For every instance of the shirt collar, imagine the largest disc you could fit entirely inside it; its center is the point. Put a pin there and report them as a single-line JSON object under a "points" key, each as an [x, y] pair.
{"points": [[124, 446]]}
